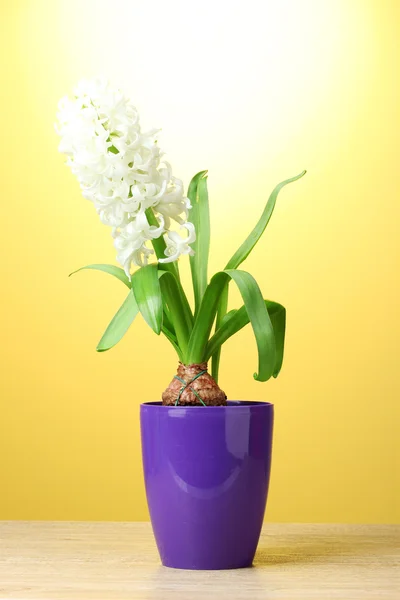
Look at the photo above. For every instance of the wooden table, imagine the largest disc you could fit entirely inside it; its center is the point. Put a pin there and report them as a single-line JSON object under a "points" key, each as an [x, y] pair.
{"points": [[99, 561]]}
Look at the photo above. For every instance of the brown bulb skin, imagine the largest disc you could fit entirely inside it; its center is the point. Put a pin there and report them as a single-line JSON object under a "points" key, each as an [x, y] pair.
{"points": [[205, 386]]}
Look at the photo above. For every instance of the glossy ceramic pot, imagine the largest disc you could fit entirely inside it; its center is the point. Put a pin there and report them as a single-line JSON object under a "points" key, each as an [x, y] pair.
{"points": [[206, 472]]}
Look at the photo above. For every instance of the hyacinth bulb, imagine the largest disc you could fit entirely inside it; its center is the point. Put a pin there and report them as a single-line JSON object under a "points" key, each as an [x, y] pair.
{"points": [[193, 386]]}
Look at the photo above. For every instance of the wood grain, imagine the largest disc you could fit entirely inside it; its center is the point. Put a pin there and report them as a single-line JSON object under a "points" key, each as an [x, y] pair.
{"points": [[63, 561]]}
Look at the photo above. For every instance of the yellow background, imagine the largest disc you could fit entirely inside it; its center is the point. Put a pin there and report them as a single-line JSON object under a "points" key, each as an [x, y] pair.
{"points": [[254, 92]]}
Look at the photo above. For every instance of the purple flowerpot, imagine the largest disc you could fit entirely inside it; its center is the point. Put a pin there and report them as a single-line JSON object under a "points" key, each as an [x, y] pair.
{"points": [[206, 471]]}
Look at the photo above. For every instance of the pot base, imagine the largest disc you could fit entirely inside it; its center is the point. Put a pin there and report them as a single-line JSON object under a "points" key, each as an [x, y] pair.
{"points": [[209, 567]]}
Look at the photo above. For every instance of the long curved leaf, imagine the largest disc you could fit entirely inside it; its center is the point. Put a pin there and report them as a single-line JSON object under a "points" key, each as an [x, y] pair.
{"points": [[200, 217], [256, 310], [231, 324], [146, 288], [242, 253], [171, 296], [168, 330], [228, 316], [221, 312], [172, 338], [120, 324], [167, 327], [167, 320], [159, 247], [235, 320], [278, 320], [111, 269]]}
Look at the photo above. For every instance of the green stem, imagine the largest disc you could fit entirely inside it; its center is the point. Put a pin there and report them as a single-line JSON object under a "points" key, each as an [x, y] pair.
{"points": [[159, 245], [171, 337], [180, 311], [169, 286], [222, 308]]}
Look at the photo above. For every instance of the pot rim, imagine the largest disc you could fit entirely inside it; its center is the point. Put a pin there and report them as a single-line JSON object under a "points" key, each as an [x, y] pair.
{"points": [[232, 404]]}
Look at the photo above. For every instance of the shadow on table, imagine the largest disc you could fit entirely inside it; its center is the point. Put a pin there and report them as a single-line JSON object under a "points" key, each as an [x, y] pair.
{"points": [[310, 548]]}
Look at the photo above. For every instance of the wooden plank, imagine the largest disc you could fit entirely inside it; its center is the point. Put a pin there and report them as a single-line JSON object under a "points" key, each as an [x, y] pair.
{"points": [[98, 561]]}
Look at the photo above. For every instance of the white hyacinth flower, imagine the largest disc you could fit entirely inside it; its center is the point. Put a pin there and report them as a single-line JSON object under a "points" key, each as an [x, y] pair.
{"points": [[119, 169], [177, 245]]}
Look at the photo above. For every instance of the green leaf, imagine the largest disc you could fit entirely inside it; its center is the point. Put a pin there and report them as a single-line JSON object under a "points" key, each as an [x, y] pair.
{"points": [[111, 269], [167, 327], [200, 217], [242, 253], [228, 316], [235, 320], [231, 324], [221, 312], [146, 289], [176, 309], [277, 313], [172, 338], [256, 310], [159, 247], [167, 319], [119, 324], [216, 353]]}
